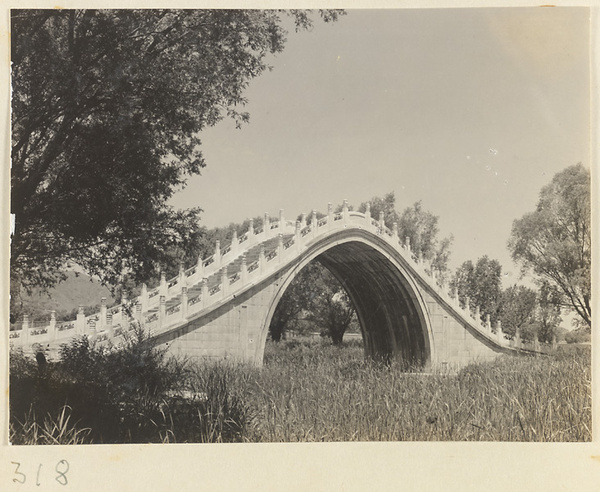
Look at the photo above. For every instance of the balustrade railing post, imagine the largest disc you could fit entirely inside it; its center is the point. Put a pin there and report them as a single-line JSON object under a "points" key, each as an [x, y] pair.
{"points": [[478, 314], [517, 337], [297, 234], [250, 228], [244, 269], [488, 323], [204, 293], [266, 225], [25, 329], [303, 220], [162, 311], [279, 247], [80, 322], [395, 230], [184, 302], [109, 325], [314, 223], [224, 282], [261, 259], [234, 244], [329, 216], [199, 269], [281, 220], [182, 280], [217, 256], [144, 298], [345, 211], [407, 244], [124, 310], [103, 313], [368, 215], [381, 222], [163, 289], [499, 333], [138, 313], [468, 306], [52, 326]]}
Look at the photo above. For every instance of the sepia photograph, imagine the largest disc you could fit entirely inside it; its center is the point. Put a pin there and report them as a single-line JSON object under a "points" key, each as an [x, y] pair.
{"points": [[298, 226]]}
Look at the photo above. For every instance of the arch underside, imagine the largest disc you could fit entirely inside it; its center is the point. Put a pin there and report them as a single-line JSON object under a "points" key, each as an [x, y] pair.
{"points": [[392, 324]]}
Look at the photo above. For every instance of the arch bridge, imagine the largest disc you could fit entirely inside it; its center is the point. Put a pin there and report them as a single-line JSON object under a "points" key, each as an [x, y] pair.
{"points": [[222, 306]]}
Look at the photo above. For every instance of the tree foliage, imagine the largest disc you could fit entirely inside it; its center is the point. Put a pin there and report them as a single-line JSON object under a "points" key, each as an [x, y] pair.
{"points": [[549, 313], [481, 284], [554, 241], [314, 296], [107, 106], [518, 312], [419, 226]]}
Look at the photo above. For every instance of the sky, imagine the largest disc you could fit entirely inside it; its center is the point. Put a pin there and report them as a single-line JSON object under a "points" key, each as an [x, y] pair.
{"points": [[472, 111]]}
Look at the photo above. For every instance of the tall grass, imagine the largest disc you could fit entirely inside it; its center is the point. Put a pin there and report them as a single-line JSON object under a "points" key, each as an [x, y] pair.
{"points": [[308, 390], [329, 394]]}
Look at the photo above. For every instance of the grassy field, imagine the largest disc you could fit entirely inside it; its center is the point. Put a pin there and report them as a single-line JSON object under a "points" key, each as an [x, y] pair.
{"points": [[308, 390]]}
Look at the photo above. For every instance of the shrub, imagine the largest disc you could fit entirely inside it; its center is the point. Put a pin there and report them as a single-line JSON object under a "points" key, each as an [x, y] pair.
{"points": [[131, 393], [577, 336]]}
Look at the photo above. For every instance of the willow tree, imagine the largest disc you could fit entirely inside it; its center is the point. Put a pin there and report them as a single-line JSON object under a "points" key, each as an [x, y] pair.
{"points": [[554, 241]]}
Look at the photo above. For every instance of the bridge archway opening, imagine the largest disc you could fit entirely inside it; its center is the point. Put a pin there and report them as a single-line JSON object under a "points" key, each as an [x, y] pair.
{"points": [[391, 317]]}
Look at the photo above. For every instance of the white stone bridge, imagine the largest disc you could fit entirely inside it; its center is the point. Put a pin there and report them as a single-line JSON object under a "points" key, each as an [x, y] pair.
{"points": [[222, 307]]}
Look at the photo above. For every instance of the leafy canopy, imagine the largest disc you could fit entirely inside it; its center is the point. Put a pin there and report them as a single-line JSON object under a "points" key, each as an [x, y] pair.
{"points": [[481, 284], [554, 241], [418, 225], [107, 107]]}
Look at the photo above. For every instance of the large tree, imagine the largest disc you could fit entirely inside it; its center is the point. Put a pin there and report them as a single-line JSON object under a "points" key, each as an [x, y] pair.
{"points": [[554, 241], [107, 106]]}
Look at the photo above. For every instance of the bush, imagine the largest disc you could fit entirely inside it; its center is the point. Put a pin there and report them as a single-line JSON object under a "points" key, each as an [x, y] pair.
{"points": [[131, 393], [578, 336]]}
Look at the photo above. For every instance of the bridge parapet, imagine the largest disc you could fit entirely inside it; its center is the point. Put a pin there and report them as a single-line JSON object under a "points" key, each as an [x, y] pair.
{"points": [[247, 260]]}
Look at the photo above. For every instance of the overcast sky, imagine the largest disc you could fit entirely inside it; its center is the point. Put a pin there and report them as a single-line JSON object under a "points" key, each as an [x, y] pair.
{"points": [[471, 111]]}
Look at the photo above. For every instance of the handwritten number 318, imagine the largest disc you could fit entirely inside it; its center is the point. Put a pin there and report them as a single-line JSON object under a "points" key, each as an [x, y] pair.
{"points": [[61, 469]]}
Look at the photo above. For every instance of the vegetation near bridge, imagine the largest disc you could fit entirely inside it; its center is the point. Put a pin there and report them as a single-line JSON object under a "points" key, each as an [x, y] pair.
{"points": [[308, 390]]}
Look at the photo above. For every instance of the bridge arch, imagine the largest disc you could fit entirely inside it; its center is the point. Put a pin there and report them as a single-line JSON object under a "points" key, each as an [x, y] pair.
{"points": [[222, 306], [393, 316]]}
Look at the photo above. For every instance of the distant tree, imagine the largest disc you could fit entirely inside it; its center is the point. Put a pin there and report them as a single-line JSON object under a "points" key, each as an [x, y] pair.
{"points": [[554, 241], [385, 204], [578, 336], [107, 106], [419, 226], [317, 297], [331, 309], [549, 313], [481, 283], [517, 311], [295, 302]]}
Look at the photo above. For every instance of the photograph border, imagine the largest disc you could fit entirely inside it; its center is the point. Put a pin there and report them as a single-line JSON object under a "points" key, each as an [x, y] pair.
{"points": [[305, 466]]}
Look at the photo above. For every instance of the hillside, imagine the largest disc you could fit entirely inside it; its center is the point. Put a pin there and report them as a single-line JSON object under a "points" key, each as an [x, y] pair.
{"points": [[66, 297]]}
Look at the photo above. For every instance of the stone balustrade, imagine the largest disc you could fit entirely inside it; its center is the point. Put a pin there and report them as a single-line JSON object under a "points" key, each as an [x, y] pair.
{"points": [[286, 239]]}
